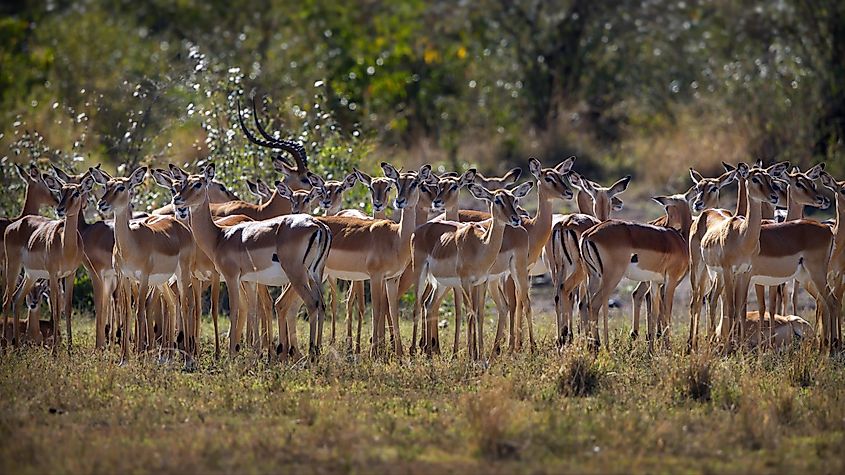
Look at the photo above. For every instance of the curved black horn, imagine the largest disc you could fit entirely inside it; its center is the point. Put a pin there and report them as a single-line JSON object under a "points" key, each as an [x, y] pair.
{"points": [[252, 138], [294, 148]]}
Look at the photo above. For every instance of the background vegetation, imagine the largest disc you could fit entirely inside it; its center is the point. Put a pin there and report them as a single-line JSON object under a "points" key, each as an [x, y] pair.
{"points": [[645, 87]]}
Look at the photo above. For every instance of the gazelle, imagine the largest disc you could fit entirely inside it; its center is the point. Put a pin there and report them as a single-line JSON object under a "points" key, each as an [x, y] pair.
{"points": [[274, 252], [374, 250], [33, 303], [729, 243], [448, 254], [379, 192], [330, 193], [46, 249], [641, 252], [37, 195], [217, 193], [150, 253]]}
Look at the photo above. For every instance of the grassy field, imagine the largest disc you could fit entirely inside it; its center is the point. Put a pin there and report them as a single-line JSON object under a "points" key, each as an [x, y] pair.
{"points": [[623, 411]]}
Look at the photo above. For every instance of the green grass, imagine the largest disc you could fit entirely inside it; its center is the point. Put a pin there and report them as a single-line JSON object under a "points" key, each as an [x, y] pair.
{"points": [[621, 411]]}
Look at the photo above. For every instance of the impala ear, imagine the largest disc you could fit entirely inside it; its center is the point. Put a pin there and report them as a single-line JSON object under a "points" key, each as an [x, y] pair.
{"points": [[511, 176], [566, 165], [575, 180], [34, 173], [689, 195], [535, 167], [209, 172], [828, 181], [616, 204], [696, 177], [51, 182], [177, 173], [283, 190], [728, 167], [424, 174], [349, 181], [815, 172], [363, 177], [137, 177], [313, 193], [60, 174], [619, 186], [662, 200], [522, 190], [778, 170], [758, 163], [742, 170], [99, 176], [727, 178], [469, 177], [282, 165], [480, 192], [23, 173], [162, 178], [263, 188], [390, 171], [87, 183], [316, 180], [253, 188]]}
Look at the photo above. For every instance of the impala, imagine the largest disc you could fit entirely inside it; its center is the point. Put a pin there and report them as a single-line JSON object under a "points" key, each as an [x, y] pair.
{"points": [[729, 243], [274, 252], [374, 250], [150, 253], [259, 189], [37, 195], [836, 271], [498, 183], [448, 254], [641, 252], [46, 249]]}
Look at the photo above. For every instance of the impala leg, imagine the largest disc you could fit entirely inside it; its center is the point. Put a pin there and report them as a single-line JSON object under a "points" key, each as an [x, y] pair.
{"points": [[67, 307], [478, 295], [362, 308], [637, 298], [351, 301], [432, 310], [233, 287], [215, 311], [392, 296], [502, 312], [458, 298], [24, 288], [334, 293]]}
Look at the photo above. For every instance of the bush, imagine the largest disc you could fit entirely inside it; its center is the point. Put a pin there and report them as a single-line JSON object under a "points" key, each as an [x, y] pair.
{"points": [[693, 380], [579, 375]]}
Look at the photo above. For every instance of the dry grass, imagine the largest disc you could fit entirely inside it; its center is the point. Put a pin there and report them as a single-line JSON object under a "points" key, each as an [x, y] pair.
{"points": [[84, 414]]}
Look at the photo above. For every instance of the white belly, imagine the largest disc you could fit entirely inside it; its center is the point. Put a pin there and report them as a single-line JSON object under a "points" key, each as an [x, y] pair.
{"points": [[272, 276], [637, 273]]}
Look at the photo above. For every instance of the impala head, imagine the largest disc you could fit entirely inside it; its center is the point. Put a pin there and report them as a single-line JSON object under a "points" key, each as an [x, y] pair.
{"points": [[503, 202], [706, 190], [259, 189], [602, 197], [300, 200], [448, 190], [192, 192], [379, 189], [498, 183], [72, 196], [803, 189], [36, 187], [40, 292], [677, 209], [330, 192], [552, 181], [837, 187], [407, 184], [762, 182], [119, 191]]}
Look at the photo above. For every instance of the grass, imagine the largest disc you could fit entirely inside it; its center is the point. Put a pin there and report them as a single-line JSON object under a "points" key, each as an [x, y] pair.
{"points": [[621, 411]]}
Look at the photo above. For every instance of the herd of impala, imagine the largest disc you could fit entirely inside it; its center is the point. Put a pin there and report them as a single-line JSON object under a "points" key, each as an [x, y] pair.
{"points": [[155, 266]]}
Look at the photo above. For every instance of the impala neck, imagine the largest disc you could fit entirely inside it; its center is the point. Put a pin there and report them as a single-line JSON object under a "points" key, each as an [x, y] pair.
{"points": [[750, 228], [493, 237], [206, 232], [380, 214], [407, 225], [31, 205], [275, 206], [122, 237], [540, 226], [794, 209], [585, 203], [839, 227], [71, 228], [420, 215], [742, 198]]}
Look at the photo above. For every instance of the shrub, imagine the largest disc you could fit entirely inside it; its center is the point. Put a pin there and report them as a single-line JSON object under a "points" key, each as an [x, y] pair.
{"points": [[579, 375]]}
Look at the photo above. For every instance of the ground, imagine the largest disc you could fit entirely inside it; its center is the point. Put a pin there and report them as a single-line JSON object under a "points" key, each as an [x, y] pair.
{"points": [[622, 411]]}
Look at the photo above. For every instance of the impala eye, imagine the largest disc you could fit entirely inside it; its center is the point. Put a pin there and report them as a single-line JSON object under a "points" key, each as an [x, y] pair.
{"points": [[76, 194], [197, 185], [755, 180], [121, 188], [549, 179], [454, 187], [498, 201]]}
